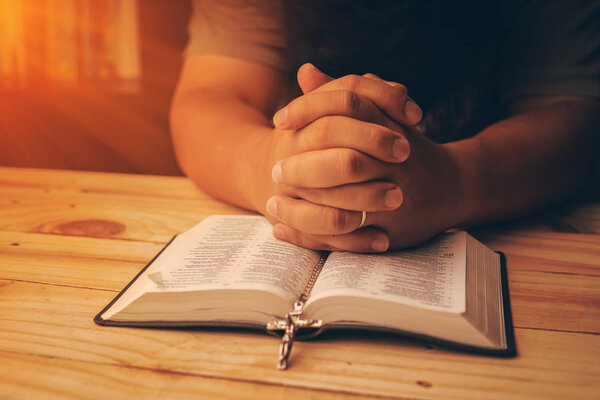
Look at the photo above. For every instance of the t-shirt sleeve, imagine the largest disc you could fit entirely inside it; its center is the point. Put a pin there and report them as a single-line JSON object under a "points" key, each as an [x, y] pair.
{"points": [[552, 48], [252, 30]]}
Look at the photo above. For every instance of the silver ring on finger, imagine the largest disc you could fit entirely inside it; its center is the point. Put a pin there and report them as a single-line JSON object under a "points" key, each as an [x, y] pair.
{"points": [[363, 220]]}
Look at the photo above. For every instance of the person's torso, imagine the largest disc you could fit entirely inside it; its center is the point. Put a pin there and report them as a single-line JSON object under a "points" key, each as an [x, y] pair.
{"points": [[445, 53]]}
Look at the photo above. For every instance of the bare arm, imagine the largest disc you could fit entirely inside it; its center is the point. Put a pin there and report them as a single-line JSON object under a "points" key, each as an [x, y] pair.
{"points": [[220, 125], [542, 154]]}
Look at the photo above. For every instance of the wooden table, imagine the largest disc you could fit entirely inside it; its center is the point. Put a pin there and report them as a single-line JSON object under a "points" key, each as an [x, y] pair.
{"points": [[70, 241]]}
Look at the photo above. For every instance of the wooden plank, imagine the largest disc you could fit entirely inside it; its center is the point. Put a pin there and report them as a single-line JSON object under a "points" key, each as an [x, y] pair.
{"points": [[547, 251], [100, 182], [555, 301], [124, 216], [74, 248], [567, 218], [26, 376], [56, 321], [107, 264]]}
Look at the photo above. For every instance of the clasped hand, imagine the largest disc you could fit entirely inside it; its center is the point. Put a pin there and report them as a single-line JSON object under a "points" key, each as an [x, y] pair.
{"points": [[350, 145]]}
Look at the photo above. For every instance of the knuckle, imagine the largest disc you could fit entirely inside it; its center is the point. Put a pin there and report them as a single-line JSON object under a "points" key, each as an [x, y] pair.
{"points": [[402, 89], [351, 82], [393, 98], [337, 220], [350, 102], [379, 138], [325, 128], [351, 163], [398, 95], [320, 130]]}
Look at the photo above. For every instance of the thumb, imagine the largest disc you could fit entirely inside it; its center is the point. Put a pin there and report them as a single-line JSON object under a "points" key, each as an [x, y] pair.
{"points": [[310, 78]]}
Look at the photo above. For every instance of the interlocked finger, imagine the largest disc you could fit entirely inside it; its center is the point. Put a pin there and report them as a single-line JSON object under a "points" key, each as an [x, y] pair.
{"points": [[392, 99], [312, 106], [367, 196], [312, 218], [339, 131], [366, 240], [329, 168]]}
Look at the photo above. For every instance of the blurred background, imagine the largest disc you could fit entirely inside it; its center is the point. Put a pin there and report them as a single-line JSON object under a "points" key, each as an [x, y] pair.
{"points": [[86, 84]]}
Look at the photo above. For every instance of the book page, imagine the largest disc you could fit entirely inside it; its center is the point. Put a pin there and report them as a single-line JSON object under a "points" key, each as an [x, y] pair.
{"points": [[429, 276], [237, 252]]}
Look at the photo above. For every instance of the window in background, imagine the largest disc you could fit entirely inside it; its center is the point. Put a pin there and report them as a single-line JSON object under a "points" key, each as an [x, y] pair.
{"points": [[70, 41], [86, 84]]}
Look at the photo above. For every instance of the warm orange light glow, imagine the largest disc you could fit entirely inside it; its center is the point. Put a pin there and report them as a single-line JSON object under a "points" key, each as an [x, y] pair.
{"points": [[72, 92], [69, 41], [12, 39]]}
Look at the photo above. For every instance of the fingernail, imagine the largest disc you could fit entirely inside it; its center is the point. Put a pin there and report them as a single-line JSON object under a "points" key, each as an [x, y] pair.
{"points": [[272, 206], [280, 117], [279, 233], [413, 111], [400, 149], [393, 198], [380, 244], [276, 173]]}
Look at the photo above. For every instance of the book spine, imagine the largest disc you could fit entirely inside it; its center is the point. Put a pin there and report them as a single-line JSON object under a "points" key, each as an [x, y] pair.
{"points": [[313, 278], [293, 320]]}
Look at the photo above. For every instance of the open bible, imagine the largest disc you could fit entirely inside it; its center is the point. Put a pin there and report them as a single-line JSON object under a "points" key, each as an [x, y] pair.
{"points": [[231, 271]]}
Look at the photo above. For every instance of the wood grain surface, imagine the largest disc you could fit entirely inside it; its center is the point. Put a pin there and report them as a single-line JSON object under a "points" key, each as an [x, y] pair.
{"points": [[70, 241]]}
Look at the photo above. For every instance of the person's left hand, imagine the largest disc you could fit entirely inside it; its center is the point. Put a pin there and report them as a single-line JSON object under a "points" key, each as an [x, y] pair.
{"points": [[325, 204]]}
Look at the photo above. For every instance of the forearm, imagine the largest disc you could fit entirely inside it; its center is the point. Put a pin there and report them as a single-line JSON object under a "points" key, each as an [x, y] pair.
{"points": [[530, 160], [221, 143]]}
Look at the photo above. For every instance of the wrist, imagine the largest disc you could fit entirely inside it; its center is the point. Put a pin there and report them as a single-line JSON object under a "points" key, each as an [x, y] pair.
{"points": [[465, 156], [261, 185]]}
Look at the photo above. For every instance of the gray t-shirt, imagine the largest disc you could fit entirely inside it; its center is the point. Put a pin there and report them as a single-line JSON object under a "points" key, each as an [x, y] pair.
{"points": [[541, 48], [555, 44]]}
